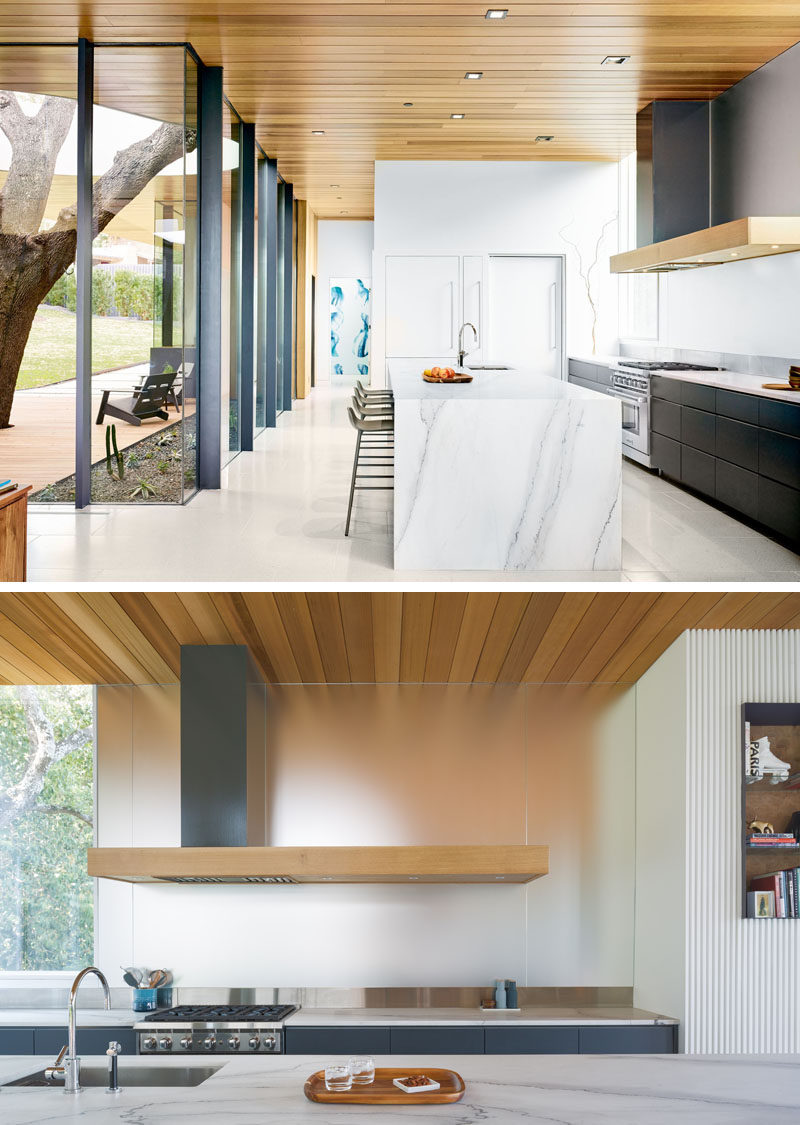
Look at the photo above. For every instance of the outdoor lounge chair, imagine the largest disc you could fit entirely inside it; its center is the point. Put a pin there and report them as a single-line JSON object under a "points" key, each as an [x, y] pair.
{"points": [[182, 377], [150, 400]]}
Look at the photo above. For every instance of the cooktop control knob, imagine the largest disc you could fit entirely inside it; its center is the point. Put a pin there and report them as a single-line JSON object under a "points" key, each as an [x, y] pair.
{"points": [[186, 1042], [165, 1044], [210, 1042], [255, 1042], [233, 1042], [269, 1042], [149, 1043]]}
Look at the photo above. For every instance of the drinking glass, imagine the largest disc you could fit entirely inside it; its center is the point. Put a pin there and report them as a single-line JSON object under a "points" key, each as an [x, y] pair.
{"points": [[362, 1070], [338, 1077]]}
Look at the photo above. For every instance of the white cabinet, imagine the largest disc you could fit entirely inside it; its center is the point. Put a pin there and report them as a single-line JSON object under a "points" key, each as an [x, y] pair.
{"points": [[423, 303], [524, 312]]}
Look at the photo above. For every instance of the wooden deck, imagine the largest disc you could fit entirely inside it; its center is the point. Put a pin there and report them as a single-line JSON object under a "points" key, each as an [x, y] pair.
{"points": [[39, 448]]}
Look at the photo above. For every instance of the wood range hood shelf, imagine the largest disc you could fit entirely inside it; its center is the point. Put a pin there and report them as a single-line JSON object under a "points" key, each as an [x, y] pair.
{"points": [[730, 242], [504, 863]]}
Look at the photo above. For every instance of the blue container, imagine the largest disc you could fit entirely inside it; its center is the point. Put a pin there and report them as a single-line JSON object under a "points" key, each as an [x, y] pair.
{"points": [[164, 996], [511, 994], [145, 999], [500, 994]]}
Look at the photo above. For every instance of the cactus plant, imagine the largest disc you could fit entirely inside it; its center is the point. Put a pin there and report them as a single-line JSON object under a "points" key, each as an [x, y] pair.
{"points": [[115, 459]]}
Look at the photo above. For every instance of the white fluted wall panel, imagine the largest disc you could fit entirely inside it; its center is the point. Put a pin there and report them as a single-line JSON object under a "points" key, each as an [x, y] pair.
{"points": [[742, 976]]}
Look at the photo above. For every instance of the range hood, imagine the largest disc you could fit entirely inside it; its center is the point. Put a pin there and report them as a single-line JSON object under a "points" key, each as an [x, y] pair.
{"points": [[224, 832], [730, 242]]}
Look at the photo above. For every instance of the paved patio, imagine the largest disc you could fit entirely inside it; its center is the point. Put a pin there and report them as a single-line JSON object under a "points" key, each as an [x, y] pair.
{"points": [[39, 449]]}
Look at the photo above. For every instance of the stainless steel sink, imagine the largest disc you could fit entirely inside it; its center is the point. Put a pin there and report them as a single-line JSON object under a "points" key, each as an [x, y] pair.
{"points": [[487, 367], [128, 1076]]}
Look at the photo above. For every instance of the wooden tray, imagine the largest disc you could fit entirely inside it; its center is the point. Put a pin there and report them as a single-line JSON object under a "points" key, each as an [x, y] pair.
{"points": [[459, 377], [779, 387], [383, 1092]]}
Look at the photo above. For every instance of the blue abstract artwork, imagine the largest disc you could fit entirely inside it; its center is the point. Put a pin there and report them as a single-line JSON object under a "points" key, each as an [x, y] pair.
{"points": [[350, 328]]}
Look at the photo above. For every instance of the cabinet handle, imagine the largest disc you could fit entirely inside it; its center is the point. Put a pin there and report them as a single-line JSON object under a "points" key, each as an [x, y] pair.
{"points": [[452, 311], [552, 316]]}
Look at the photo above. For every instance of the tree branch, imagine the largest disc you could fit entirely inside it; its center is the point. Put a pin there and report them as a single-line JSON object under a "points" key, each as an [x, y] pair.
{"points": [[35, 145], [12, 117], [66, 810]]}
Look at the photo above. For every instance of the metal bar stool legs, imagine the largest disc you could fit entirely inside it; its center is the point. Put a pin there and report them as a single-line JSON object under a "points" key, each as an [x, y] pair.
{"points": [[377, 429]]}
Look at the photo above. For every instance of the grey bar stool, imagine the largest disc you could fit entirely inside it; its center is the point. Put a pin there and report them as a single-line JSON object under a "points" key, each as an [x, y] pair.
{"points": [[373, 451]]}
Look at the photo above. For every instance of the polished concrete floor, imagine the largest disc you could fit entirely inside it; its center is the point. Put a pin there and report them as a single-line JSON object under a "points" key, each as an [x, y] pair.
{"points": [[280, 518]]}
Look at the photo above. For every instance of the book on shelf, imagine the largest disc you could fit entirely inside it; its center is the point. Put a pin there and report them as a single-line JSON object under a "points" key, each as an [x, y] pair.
{"points": [[785, 885], [760, 904]]}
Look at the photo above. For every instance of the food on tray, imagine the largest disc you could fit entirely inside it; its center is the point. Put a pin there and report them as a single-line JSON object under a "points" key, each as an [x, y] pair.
{"points": [[440, 373], [417, 1080]]}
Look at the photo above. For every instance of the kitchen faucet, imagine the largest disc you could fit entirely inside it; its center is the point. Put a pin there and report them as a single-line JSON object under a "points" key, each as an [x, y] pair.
{"points": [[461, 350], [71, 1068]]}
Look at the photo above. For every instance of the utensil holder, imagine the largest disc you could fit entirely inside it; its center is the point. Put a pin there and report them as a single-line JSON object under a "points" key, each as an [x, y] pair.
{"points": [[145, 999], [164, 996]]}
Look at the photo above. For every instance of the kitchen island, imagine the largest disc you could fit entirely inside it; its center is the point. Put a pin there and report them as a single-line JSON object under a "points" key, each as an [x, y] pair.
{"points": [[573, 1090], [515, 471]]}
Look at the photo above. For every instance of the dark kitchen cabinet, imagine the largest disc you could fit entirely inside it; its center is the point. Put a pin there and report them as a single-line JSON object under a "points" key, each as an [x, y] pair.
{"points": [[437, 1040], [88, 1040], [16, 1041], [592, 376], [741, 450], [345, 1040], [532, 1041], [629, 1040]]}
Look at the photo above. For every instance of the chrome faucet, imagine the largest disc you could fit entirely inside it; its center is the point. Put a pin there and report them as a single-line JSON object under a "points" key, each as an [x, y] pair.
{"points": [[71, 1068], [461, 349]]}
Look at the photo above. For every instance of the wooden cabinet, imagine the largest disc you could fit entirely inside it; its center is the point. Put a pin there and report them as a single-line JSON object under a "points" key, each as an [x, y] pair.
{"points": [[14, 535], [738, 449]]}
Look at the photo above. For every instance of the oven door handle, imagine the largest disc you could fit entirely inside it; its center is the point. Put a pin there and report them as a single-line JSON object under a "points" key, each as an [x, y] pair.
{"points": [[625, 397]]}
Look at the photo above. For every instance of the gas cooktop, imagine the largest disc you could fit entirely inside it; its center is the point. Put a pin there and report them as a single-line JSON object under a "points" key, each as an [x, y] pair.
{"points": [[663, 365], [222, 1013]]}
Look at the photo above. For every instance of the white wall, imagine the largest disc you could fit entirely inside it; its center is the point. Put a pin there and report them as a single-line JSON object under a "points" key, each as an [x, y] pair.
{"points": [[344, 249], [573, 927], [510, 206], [747, 308]]}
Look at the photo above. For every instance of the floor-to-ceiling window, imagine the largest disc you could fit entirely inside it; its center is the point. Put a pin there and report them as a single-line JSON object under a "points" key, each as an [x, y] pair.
{"points": [[38, 177], [283, 293], [231, 282]]}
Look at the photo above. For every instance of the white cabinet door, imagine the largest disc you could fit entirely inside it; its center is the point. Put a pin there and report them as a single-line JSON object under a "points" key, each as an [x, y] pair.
{"points": [[524, 299], [472, 304], [422, 303]]}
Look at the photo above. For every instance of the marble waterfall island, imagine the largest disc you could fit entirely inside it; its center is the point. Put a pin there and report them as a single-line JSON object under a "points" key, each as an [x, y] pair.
{"points": [[515, 471]]}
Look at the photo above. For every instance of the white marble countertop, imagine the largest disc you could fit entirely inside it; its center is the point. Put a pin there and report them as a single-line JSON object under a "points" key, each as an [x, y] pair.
{"points": [[405, 379], [387, 1017], [735, 381], [568, 1089], [600, 360], [57, 1017]]}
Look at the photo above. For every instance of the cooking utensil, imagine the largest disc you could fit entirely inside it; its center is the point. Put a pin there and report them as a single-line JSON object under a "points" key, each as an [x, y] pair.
{"points": [[132, 976]]}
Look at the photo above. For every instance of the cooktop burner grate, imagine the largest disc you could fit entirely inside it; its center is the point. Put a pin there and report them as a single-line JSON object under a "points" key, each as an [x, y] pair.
{"points": [[663, 365], [223, 1013]]}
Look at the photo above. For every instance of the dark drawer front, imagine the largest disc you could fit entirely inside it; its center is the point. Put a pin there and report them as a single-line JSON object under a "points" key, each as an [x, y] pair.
{"points": [[698, 470], [337, 1040], [737, 442], [781, 416], [89, 1040], [532, 1041], [437, 1040], [738, 488], [665, 418], [779, 457], [583, 370], [698, 429], [581, 382], [744, 408], [603, 375], [779, 508], [16, 1041], [627, 1040], [699, 396], [665, 454], [669, 389]]}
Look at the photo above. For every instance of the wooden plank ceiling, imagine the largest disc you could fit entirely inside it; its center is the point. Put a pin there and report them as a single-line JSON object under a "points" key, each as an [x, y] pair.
{"points": [[347, 67], [610, 638]]}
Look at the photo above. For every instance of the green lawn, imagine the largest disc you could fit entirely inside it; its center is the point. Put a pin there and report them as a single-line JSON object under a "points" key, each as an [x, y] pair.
{"points": [[50, 352]]}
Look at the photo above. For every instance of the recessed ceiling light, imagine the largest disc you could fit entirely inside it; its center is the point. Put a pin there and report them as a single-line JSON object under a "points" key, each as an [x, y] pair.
{"points": [[474, 74], [336, 185], [407, 105], [701, 260], [344, 212], [317, 132], [457, 116], [496, 13], [734, 254], [615, 60], [545, 138], [776, 246]]}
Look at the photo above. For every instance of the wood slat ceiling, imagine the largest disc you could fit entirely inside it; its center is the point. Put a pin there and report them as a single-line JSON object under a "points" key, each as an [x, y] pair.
{"points": [[347, 66], [603, 638]]}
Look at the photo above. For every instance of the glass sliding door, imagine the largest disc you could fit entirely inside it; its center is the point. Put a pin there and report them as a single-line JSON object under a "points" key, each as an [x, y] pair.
{"points": [[143, 255], [38, 178]]}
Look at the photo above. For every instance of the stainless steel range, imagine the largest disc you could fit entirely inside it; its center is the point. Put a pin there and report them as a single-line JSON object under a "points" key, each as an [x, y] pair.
{"points": [[216, 1029], [630, 383]]}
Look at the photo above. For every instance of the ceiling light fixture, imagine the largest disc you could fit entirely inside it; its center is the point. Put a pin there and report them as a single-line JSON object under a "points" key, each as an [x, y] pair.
{"points": [[776, 246], [496, 13], [545, 138], [457, 116], [407, 105], [474, 75], [336, 185], [344, 212], [317, 132], [615, 60]]}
